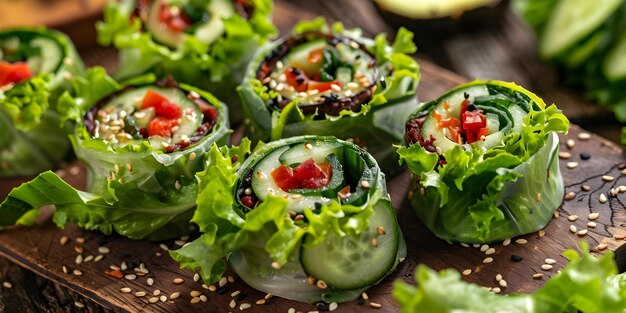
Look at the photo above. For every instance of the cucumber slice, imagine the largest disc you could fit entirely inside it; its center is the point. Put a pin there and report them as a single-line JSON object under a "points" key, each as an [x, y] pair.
{"points": [[214, 28], [50, 58], [615, 61], [318, 151], [159, 31], [299, 56], [337, 181], [351, 262], [573, 21]]}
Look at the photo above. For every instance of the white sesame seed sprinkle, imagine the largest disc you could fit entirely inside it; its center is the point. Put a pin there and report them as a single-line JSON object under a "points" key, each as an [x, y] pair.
{"points": [[7, 285], [125, 290], [521, 241], [276, 265], [204, 298], [592, 224], [570, 143], [565, 155], [79, 305], [572, 165], [365, 184], [538, 276], [65, 270], [608, 178], [153, 300], [130, 276], [77, 272], [502, 283], [467, 272], [484, 248], [150, 281], [195, 293], [178, 280], [546, 267], [63, 241], [488, 260], [163, 298], [223, 282], [584, 136], [79, 259], [196, 277], [496, 290], [602, 246], [593, 216], [333, 306], [245, 306], [88, 258], [103, 250], [602, 198], [232, 304], [156, 292], [498, 277], [573, 228], [506, 242], [376, 305], [490, 251], [572, 218], [582, 232]]}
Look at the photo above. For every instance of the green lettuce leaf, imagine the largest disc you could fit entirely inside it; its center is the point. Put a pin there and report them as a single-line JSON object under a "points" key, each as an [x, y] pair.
{"points": [[587, 284]]}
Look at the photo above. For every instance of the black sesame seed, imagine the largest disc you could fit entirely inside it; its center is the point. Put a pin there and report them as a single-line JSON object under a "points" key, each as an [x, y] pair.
{"points": [[296, 71], [222, 290], [322, 306], [516, 258], [383, 82], [585, 156], [466, 95]]}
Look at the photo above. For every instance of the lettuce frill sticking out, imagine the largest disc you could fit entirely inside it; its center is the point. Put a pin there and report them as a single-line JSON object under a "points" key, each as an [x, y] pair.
{"points": [[333, 82], [301, 218], [484, 162], [142, 145]]}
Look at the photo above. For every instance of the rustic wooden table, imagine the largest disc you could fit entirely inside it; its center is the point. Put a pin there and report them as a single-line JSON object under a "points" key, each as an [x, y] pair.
{"points": [[504, 51]]}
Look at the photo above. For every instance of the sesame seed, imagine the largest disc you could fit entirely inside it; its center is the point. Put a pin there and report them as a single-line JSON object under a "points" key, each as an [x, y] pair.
{"points": [[572, 218], [521, 241], [376, 305], [235, 293], [572, 165], [498, 277], [261, 175], [131, 276], [506, 242], [602, 246], [98, 258], [79, 249], [223, 282], [484, 248], [546, 267], [374, 242], [365, 184], [63, 241], [488, 260], [465, 245], [196, 277], [608, 178], [490, 251], [572, 228], [321, 284], [308, 146], [537, 276], [79, 259], [584, 136], [204, 298], [503, 283], [550, 261], [570, 195], [153, 300], [164, 247], [565, 155], [291, 310], [79, 304], [476, 245], [592, 224], [335, 87], [496, 290], [244, 306], [156, 292], [7, 285], [276, 265], [380, 230], [103, 250], [541, 233], [178, 281], [268, 296], [125, 290], [593, 216], [232, 304], [260, 301], [585, 187], [333, 306], [150, 281], [65, 270], [77, 272], [195, 293], [602, 198], [438, 150], [582, 232], [88, 258], [570, 143], [467, 272]]}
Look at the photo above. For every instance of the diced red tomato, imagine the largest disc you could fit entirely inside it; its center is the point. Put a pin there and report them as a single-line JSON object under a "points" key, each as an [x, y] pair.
{"points": [[316, 56], [162, 106], [161, 127], [297, 79], [174, 19], [483, 132], [13, 73], [474, 120], [308, 174], [323, 86]]}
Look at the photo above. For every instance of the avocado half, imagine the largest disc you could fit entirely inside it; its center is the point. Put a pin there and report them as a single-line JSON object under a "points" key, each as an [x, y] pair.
{"points": [[429, 19]]}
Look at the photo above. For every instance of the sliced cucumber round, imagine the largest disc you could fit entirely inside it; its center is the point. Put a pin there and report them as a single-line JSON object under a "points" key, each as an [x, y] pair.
{"points": [[352, 262], [573, 21]]}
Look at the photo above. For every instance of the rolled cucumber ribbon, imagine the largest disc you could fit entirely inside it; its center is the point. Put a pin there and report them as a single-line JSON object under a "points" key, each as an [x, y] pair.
{"points": [[319, 81], [142, 146], [37, 65], [484, 162], [205, 43], [300, 218]]}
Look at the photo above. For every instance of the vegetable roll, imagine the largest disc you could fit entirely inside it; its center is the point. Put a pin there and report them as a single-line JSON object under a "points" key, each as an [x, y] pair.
{"points": [[484, 162], [142, 146], [206, 43], [323, 82], [36, 67], [300, 218]]}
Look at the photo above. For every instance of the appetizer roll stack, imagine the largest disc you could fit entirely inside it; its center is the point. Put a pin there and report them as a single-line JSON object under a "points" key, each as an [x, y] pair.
{"points": [[323, 82], [484, 159], [207, 43], [302, 218], [142, 146], [36, 67]]}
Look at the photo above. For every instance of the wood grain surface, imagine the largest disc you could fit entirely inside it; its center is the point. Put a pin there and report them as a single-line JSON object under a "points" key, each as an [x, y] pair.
{"points": [[510, 56]]}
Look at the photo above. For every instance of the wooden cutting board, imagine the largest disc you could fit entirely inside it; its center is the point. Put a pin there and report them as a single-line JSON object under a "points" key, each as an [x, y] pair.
{"points": [[39, 249]]}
